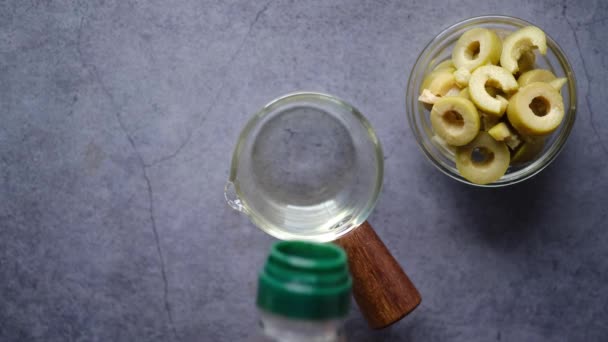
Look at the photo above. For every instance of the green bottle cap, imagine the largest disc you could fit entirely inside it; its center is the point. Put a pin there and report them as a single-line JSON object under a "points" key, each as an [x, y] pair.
{"points": [[305, 280]]}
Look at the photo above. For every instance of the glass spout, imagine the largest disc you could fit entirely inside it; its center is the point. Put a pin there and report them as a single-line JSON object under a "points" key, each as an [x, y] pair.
{"points": [[232, 198]]}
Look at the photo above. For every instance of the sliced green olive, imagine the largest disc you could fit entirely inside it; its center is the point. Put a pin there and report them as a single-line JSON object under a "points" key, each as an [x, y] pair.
{"points": [[439, 82], [488, 121], [536, 109], [465, 93], [462, 76], [484, 160], [536, 75], [526, 61], [529, 150], [518, 43], [447, 64], [558, 83], [502, 132], [497, 77], [476, 47], [455, 120], [428, 97]]}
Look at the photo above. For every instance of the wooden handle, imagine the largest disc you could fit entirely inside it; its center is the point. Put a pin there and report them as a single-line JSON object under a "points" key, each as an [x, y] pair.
{"points": [[381, 288]]}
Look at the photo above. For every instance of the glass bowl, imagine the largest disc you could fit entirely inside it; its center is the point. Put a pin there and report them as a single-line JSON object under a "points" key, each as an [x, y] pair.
{"points": [[307, 166], [440, 49]]}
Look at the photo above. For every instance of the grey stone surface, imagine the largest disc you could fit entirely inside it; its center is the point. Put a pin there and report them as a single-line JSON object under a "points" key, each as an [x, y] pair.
{"points": [[117, 123]]}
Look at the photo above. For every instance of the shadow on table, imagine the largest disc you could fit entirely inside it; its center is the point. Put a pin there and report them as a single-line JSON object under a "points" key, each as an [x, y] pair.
{"points": [[492, 212], [356, 329], [414, 327]]}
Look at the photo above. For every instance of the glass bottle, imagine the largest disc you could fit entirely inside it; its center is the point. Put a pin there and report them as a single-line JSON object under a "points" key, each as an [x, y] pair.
{"points": [[304, 293]]}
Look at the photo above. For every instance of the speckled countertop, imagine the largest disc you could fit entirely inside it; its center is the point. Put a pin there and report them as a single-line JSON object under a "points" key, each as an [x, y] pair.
{"points": [[117, 123]]}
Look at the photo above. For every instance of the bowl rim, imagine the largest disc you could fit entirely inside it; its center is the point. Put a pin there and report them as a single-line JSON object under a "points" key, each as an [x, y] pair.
{"points": [[570, 116]]}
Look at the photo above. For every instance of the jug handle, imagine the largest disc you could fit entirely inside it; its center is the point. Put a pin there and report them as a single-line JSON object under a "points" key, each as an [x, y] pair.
{"points": [[381, 288]]}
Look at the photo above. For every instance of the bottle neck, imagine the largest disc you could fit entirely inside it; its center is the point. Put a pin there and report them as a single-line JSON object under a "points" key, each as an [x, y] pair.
{"points": [[283, 329]]}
